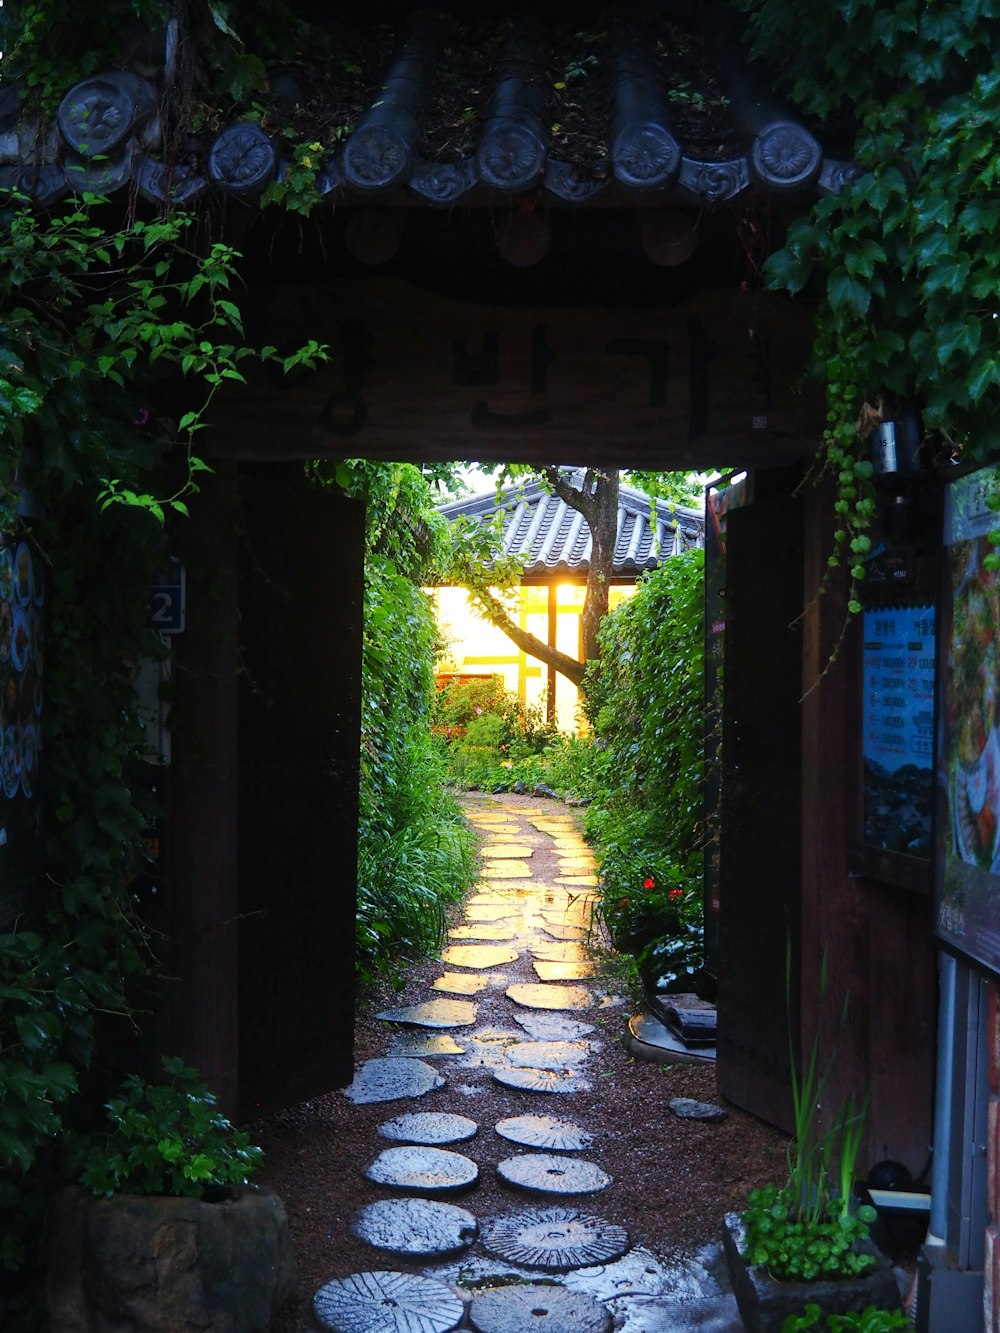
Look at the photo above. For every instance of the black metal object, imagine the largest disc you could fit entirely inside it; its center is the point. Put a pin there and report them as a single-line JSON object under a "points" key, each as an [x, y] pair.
{"points": [[378, 154]]}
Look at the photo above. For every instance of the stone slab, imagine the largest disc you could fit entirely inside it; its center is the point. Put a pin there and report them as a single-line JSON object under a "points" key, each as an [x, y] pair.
{"points": [[415, 1228], [391, 1079], [478, 955], [547, 970], [544, 1131], [542, 1026], [546, 1173], [536, 1306], [507, 851], [387, 1302], [549, 1054], [546, 995], [542, 1080], [565, 932], [558, 951], [688, 1108], [483, 930], [505, 870], [423, 1170], [459, 983], [555, 1239], [417, 1046], [433, 1014], [429, 1127]]}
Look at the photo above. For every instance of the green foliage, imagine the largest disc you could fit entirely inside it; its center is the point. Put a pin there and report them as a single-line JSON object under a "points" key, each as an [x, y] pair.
{"points": [[648, 717], [869, 1320], [164, 1138], [793, 1250], [904, 259], [483, 713]]}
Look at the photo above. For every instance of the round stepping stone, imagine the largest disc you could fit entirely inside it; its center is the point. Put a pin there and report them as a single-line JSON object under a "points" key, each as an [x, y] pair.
{"points": [[515, 1309], [430, 1127], [419, 1047], [575, 971], [545, 995], [423, 1170], [568, 951], [542, 1080], [690, 1109], [392, 1079], [459, 983], [549, 1054], [543, 1173], [552, 1027], [544, 1131], [556, 1239], [485, 930], [383, 1302], [506, 870], [415, 1228], [478, 955], [433, 1014]]}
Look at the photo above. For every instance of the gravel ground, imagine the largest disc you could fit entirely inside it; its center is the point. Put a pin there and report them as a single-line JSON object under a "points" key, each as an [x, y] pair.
{"points": [[673, 1179]]}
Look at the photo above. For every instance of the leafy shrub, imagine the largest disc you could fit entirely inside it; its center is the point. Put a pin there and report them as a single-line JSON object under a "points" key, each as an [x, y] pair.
{"points": [[164, 1138], [485, 713], [646, 706], [869, 1320]]}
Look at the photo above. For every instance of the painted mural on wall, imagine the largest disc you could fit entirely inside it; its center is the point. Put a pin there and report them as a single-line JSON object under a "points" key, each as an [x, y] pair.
{"points": [[968, 906], [22, 671]]}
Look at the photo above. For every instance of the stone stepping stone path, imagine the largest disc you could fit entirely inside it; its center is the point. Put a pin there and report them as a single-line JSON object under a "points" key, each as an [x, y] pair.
{"points": [[415, 1228], [391, 1080], [556, 1239], [459, 983], [543, 1131], [542, 1080], [543, 1173], [385, 1302], [547, 1267], [545, 995], [430, 1127], [433, 1014], [516, 1309], [486, 930], [423, 1170], [478, 955], [418, 1047]]}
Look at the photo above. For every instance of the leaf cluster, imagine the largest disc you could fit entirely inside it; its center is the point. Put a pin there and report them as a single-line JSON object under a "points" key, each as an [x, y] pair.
{"points": [[797, 1250], [869, 1320]]}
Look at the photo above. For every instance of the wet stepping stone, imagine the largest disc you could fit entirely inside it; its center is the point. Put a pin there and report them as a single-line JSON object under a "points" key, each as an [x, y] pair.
{"points": [[549, 971], [545, 995], [507, 851], [478, 955], [433, 1014], [391, 1079], [383, 1302], [423, 1170], [542, 1080], [553, 1027], [485, 930], [549, 1054], [571, 915], [415, 1228], [490, 912], [545, 1307], [544, 1131], [556, 1239], [459, 983], [575, 879], [506, 870], [641, 1272], [543, 1173], [489, 1046], [417, 1047], [429, 1127], [561, 932], [566, 951], [687, 1108]]}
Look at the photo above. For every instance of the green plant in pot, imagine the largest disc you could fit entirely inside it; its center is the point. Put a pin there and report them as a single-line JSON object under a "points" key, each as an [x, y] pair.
{"points": [[164, 1230], [869, 1320]]}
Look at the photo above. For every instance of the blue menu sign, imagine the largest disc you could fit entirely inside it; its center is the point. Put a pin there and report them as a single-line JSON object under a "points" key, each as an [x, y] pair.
{"points": [[898, 728]]}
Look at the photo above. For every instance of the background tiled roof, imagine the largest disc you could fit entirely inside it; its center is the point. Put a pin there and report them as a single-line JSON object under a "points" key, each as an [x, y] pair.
{"points": [[556, 539]]}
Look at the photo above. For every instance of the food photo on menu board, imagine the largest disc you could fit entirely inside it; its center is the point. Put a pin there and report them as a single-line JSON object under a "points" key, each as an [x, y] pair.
{"points": [[968, 907]]}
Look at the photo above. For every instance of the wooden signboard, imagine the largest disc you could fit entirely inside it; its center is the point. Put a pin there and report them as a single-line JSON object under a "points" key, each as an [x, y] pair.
{"points": [[716, 380]]}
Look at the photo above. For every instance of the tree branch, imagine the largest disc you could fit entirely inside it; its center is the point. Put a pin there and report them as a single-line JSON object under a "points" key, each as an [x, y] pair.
{"points": [[497, 614]]}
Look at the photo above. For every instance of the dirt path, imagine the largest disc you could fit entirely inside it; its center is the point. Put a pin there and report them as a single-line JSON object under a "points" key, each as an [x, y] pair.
{"points": [[672, 1180]]}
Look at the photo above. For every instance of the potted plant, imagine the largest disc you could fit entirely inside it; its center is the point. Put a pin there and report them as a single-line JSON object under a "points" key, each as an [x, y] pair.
{"points": [[163, 1230], [869, 1320], [806, 1242]]}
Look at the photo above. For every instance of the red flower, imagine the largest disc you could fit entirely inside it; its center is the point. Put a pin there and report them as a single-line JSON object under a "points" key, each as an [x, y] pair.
{"points": [[674, 894], [649, 883]]}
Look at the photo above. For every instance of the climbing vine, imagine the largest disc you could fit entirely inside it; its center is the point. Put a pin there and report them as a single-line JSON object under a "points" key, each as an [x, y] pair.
{"points": [[904, 259]]}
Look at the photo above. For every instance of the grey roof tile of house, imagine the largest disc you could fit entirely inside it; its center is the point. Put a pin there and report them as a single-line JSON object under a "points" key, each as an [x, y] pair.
{"points": [[556, 539]]}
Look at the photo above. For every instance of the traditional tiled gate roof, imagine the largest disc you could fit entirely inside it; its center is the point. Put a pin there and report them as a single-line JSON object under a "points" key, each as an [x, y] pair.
{"points": [[667, 113], [555, 539]]}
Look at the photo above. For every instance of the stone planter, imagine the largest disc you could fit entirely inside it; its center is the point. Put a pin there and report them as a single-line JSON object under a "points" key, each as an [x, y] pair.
{"points": [[167, 1265], [765, 1304]]}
